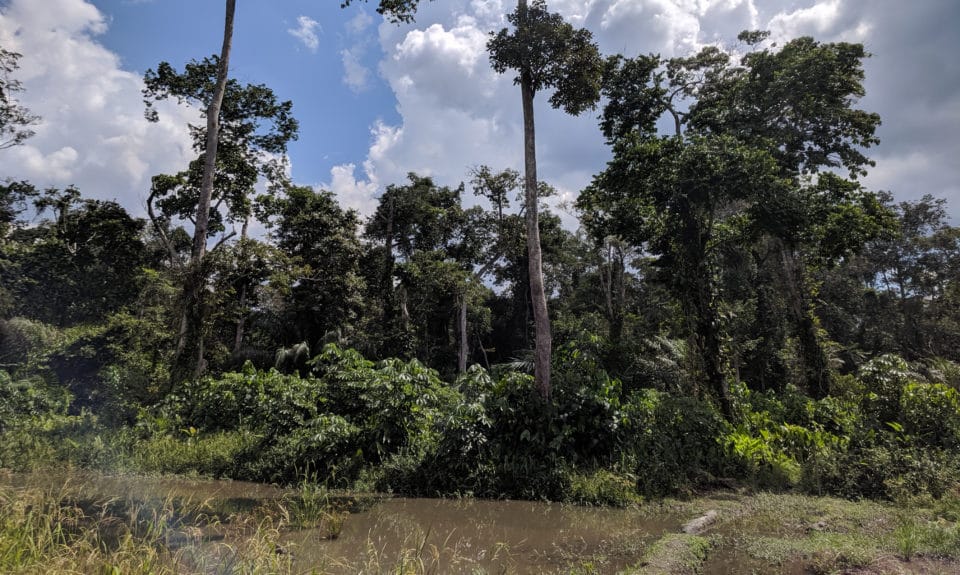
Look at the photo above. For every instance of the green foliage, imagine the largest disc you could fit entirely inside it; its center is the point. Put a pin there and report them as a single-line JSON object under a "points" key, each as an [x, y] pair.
{"points": [[80, 265], [212, 454], [27, 398], [254, 130], [883, 380], [603, 487], [547, 52], [324, 279], [25, 343], [930, 413], [15, 119], [264, 401], [673, 441]]}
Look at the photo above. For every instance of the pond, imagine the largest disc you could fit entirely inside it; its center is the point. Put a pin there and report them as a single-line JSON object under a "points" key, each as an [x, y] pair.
{"points": [[383, 533]]}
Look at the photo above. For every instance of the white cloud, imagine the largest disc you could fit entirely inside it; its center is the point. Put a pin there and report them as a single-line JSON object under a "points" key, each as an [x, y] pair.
{"points": [[92, 134], [353, 193], [456, 113], [355, 74], [359, 23], [306, 32]]}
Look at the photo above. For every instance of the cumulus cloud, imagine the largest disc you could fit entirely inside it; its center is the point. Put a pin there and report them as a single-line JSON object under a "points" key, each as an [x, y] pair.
{"points": [[353, 193], [92, 133], [456, 113], [306, 32], [355, 74]]}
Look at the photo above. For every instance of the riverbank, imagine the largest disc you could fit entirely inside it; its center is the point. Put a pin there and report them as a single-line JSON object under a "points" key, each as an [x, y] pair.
{"points": [[93, 523]]}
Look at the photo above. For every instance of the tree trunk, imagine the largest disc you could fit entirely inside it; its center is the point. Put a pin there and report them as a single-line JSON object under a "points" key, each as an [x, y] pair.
{"points": [[195, 284], [538, 297], [241, 320], [213, 134], [462, 324], [815, 365], [707, 338], [701, 308]]}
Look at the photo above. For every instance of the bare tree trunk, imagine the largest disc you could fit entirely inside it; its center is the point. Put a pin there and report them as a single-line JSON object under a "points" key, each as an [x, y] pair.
{"points": [[213, 134], [464, 349], [242, 319], [538, 297], [191, 325]]}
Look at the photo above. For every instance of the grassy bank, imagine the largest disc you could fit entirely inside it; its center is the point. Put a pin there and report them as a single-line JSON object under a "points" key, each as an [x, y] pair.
{"points": [[790, 533]]}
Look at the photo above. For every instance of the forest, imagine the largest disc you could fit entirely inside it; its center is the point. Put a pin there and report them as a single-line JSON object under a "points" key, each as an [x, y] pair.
{"points": [[735, 307]]}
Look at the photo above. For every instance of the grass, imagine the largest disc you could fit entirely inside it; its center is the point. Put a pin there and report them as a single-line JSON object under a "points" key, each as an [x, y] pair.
{"points": [[674, 554], [59, 530]]}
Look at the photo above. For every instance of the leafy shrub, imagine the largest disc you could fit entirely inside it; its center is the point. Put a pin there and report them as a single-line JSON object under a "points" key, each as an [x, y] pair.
{"points": [[674, 440], [28, 397], [931, 414], [327, 445], [884, 470], [603, 487], [266, 401], [883, 379], [460, 461], [24, 343]]}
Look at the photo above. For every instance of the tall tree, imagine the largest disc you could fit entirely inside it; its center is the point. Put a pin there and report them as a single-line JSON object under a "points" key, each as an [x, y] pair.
{"points": [[799, 102], [253, 130], [546, 53], [395, 10], [15, 119], [684, 199], [81, 263]]}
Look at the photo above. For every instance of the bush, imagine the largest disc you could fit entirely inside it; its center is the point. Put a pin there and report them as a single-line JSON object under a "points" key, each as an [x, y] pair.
{"points": [[675, 441], [265, 401], [930, 413], [883, 380], [28, 397], [884, 471]]}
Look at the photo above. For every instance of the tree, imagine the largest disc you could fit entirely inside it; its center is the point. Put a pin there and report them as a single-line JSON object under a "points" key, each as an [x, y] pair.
{"points": [[418, 269], [253, 131], [396, 10], [797, 104], [321, 239], [79, 265], [684, 200], [15, 119], [546, 53], [899, 294]]}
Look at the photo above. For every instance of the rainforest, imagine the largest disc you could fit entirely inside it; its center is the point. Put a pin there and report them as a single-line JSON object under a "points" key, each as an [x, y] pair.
{"points": [[740, 349]]}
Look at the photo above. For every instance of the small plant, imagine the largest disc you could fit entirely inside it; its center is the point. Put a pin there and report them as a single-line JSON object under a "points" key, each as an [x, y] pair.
{"points": [[907, 538]]}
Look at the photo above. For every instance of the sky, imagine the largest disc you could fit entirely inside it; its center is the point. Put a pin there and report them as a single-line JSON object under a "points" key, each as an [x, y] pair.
{"points": [[377, 100]]}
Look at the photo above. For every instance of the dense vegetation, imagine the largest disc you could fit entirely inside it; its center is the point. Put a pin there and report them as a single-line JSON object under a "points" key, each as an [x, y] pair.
{"points": [[736, 307]]}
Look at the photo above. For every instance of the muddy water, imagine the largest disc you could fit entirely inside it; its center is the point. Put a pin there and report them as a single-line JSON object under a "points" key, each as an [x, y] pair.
{"points": [[397, 534], [468, 536]]}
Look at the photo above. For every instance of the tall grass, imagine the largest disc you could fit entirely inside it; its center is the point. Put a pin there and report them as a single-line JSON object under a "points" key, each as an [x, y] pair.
{"points": [[59, 531]]}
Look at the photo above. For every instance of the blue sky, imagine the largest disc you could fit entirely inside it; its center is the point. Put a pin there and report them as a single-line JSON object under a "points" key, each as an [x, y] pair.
{"points": [[335, 118], [376, 100]]}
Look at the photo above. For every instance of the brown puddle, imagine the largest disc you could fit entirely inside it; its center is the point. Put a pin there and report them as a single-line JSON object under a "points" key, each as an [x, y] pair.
{"points": [[402, 535], [468, 536]]}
